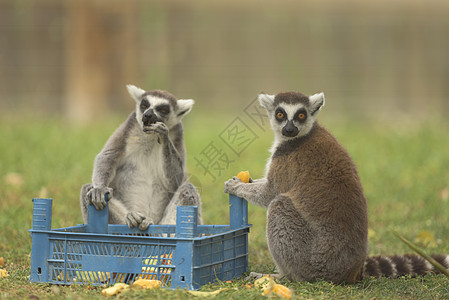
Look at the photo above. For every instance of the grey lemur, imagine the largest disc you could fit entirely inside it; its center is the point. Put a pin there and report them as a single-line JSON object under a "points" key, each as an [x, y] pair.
{"points": [[142, 165], [317, 220]]}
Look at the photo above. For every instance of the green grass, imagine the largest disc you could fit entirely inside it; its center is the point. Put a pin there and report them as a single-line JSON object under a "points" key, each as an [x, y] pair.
{"points": [[404, 170]]}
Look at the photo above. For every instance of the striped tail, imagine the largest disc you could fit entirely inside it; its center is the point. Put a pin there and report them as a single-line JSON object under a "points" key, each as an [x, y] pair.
{"points": [[400, 265]]}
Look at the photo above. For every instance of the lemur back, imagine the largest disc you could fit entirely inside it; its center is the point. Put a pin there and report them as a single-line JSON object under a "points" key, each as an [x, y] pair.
{"points": [[317, 219]]}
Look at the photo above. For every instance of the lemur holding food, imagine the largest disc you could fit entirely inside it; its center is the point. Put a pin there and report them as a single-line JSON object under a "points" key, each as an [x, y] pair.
{"points": [[317, 221], [142, 165]]}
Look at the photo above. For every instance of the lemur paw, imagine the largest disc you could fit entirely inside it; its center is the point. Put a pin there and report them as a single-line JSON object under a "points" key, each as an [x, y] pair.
{"points": [[231, 185], [158, 128], [96, 196], [135, 219]]}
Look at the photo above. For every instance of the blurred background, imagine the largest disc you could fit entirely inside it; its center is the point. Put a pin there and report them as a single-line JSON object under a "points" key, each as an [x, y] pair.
{"points": [[73, 58]]}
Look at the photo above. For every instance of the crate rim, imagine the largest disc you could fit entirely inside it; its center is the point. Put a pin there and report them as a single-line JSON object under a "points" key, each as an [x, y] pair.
{"points": [[58, 231]]}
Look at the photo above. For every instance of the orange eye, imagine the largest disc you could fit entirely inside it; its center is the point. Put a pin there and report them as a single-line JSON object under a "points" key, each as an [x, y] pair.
{"points": [[301, 116], [280, 115]]}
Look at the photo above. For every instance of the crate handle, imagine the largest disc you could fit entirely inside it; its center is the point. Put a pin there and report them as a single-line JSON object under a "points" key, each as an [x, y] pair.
{"points": [[42, 211], [97, 220], [238, 212]]}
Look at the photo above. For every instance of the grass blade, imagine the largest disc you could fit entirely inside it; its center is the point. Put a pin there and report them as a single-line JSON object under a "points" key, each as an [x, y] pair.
{"points": [[421, 252]]}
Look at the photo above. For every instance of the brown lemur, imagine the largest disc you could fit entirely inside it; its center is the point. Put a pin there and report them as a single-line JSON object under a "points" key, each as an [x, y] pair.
{"points": [[317, 221], [142, 165]]}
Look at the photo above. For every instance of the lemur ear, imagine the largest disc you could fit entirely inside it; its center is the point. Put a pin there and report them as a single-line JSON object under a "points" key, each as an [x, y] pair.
{"points": [[266, 101], [184, 106], [316, 102], [135, 92]]}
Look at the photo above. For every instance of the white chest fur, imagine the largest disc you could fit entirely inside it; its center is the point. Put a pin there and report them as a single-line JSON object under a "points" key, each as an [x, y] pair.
{"points": [[141, 180]]}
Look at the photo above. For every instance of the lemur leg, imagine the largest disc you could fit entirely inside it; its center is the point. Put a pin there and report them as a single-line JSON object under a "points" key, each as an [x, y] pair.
{"points": [[117, 212], [290, 240], [185, 195]]}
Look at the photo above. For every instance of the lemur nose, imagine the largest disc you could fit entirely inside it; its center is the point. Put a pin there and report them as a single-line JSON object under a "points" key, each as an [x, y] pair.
{"points": [[290, 130], [149, 117]]}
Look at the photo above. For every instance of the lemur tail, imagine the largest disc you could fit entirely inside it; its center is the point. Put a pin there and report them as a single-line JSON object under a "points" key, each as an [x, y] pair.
{"points": [[400, 265]]}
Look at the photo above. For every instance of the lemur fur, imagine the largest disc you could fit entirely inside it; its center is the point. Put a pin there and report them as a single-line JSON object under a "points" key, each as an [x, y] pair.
{"points": [[317, 221], [142, 165]]}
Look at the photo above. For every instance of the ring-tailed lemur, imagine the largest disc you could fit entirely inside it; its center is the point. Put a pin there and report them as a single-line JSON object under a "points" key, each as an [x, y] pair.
{"points": [[317, 220], [142, 165]]}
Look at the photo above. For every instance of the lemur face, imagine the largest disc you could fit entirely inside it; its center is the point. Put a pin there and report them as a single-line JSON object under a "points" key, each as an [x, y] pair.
{"points": [[158, 106], [291, 114]]}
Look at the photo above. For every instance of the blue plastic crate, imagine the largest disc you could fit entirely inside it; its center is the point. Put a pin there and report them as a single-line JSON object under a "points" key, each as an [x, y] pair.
{"points": [[185, 255]]}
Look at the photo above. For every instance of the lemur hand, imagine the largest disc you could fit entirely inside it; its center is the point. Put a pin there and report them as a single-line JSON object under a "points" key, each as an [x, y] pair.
{"points": [[136, 219], [158, 128], [96, 196], [232, 185]]}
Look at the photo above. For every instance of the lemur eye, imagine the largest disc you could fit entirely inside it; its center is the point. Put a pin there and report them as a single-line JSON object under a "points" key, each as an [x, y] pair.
{"points": [[280, 115], [164, 109], [301, 116]]}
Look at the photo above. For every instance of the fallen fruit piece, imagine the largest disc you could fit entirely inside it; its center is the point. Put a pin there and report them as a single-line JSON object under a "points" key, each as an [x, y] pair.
{"points": [[3, 273], [60, 277], [243, 176], [2, 262], [115, 289], [265, 282], [280, 290], [207, 294], [147, 283]]}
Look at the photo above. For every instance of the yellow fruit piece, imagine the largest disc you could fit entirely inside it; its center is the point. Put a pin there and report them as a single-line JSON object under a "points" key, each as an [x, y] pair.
{"points": [[2, 262], [3, 273], [93, 277], [115, 289], [266, 282], [61, 277], [147, 283], [282, 291], [119, 277], [243, 176], [151, 272], [85, 276], [207, 294]]}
